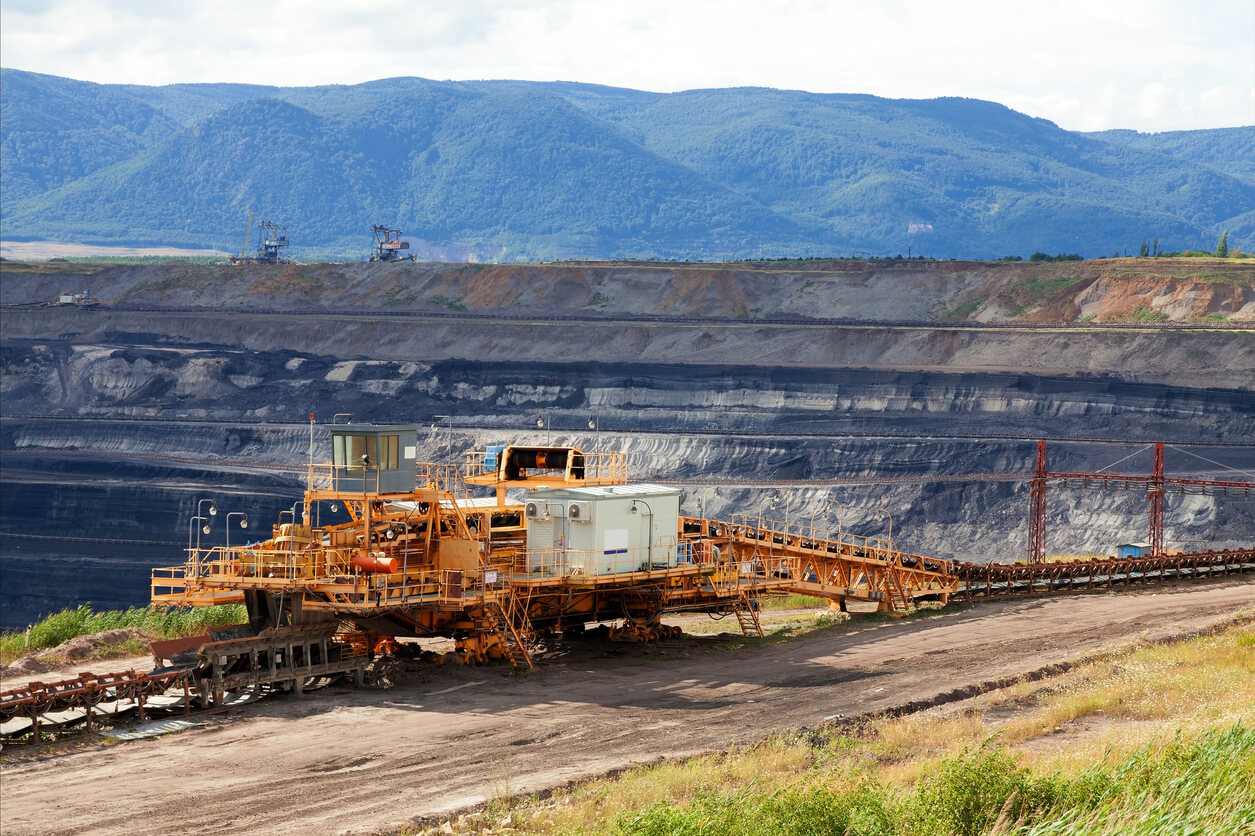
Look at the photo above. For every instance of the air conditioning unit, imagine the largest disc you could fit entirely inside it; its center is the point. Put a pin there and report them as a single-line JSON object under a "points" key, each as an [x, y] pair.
{"points": [[580, 512], [535, 511]]}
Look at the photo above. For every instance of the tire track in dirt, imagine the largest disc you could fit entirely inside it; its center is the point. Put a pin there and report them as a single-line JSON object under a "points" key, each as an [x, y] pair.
{"points": [[357, 761]]}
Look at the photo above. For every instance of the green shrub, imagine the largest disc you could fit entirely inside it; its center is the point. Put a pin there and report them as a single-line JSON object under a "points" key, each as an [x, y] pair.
{"points": [[863, 810], [164, 622], [966, 794]]}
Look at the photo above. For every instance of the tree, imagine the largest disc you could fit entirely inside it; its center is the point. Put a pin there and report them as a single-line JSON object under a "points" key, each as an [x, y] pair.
{"points": [[1143, 250], [1222, 246]]}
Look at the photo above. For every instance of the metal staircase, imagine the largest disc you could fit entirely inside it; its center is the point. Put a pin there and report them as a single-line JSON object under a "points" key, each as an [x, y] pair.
{"points": [[508, 620], [747, 615]]}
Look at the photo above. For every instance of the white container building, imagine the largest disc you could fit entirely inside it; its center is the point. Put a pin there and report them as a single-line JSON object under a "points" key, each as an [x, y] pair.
{"points": [[608, 530]]}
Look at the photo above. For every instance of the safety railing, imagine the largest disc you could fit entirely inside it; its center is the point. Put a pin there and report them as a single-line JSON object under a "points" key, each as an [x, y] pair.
{"points": [[607, 468], [445, 477], [334, 570], [325, 476], [844, 544], [168, 582]]}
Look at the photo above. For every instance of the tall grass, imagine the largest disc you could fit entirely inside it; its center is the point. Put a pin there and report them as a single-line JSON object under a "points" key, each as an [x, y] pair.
{"points": [[1153, 739], [166, 623], [792, 602], [1199, 786]]}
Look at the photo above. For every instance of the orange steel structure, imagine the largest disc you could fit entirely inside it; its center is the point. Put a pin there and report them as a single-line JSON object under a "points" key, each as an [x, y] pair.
{"points": [[449, 555], [438, 560]]}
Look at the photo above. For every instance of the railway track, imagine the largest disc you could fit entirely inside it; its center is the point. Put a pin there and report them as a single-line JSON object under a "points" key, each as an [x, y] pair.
{"points": [[236, 670]]}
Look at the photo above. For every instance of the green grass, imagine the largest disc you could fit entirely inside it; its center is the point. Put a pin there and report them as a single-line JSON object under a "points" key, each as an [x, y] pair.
{"points": [[964, 311], [167, 623], [1144, 313], [1238, 277], [451, 304], [1200, 785], [792, 602], [1153, 739], [1040, 289]]}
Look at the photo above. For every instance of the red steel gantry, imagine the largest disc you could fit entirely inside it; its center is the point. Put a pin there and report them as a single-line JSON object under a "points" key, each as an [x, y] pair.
{"points": [[1156, 485]]}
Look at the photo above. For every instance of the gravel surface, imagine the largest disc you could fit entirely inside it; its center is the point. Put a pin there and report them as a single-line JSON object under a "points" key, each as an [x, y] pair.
{"points": [[442, 739]]}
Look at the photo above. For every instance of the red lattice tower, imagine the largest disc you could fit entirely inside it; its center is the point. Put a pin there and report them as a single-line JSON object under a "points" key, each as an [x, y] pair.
{"points": [[1037, 515], [1155, 492]]}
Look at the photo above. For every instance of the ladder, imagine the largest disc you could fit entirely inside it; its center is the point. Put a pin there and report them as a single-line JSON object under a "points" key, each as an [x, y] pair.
{"points": [[747, 615], [501, 618]]}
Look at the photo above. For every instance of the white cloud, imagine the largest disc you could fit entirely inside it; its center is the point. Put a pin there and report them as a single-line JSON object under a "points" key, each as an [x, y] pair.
{"points": [[1150, 64]]}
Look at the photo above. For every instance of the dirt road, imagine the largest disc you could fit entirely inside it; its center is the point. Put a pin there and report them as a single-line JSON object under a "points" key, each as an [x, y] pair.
{"points": [[355, 761]]}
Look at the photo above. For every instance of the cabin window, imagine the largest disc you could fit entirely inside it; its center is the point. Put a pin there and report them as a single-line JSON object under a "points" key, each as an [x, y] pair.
{"points": [[381, 452], [388, 449]]}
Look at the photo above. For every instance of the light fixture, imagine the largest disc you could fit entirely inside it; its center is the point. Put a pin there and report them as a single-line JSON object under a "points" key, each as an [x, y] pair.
{"points": [[206, 528], [390, 533], [335, 506], [213, 509], [592, 425], [243, 524], [540, 421]]}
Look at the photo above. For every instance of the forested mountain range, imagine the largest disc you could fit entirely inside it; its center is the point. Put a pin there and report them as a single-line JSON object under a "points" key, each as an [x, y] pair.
{"points": [[528, 170]]}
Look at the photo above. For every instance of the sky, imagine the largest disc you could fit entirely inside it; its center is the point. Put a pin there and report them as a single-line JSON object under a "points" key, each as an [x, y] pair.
{"points": [[1148, 65]]}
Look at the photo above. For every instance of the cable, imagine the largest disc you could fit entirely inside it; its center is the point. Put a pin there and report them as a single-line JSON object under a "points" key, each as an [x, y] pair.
{"points": [[1125, 459], [1210, 461]]}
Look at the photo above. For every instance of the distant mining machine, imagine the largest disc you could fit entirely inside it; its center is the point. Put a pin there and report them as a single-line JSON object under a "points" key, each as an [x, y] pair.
{"points": [[271, 247], [274, 243], [388, 245]]}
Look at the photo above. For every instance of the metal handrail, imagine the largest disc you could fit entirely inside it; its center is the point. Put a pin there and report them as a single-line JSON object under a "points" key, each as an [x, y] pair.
{"points": [[607, 466], [747, 525]]}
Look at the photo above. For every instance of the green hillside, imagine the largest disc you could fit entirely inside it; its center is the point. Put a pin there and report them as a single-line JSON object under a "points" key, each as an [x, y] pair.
{"points": [[525, 170], [1228, 150]]}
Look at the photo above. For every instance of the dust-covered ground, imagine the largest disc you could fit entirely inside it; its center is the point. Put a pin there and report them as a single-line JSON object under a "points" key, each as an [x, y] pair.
{"points": [[348, 761]]}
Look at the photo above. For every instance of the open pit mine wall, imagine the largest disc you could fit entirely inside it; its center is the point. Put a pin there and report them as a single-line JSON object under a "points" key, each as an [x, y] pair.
{"points": [[116, 422]]}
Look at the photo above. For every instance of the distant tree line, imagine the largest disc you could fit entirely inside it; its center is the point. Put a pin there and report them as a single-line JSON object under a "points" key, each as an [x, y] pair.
{"points": [[1153, 249]]}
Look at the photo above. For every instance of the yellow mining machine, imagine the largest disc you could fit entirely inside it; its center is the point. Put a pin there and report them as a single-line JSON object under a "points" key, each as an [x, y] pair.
{"points": [[517, 542]]}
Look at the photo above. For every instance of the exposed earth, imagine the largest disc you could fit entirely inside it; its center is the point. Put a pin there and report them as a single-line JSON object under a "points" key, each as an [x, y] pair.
{"points": [[919, 387], [348, 761]]}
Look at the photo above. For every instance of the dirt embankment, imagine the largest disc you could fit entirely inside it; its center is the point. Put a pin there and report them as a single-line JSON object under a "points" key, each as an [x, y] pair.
{"points": [[1136, 290], [350, 761]]}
